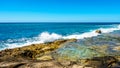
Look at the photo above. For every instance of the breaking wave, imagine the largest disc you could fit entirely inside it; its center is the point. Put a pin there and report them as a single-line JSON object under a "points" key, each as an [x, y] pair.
{"points": [[49, 37]]}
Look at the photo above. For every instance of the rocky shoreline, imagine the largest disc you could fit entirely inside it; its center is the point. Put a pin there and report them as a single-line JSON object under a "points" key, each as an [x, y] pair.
{"points": [[41, 56], [32, 53]]}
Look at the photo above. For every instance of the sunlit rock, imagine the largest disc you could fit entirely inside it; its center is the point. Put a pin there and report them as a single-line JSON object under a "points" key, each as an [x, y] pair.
{"points": [[98, 31]]}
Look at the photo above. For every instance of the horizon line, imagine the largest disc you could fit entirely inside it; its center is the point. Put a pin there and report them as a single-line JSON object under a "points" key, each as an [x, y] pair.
{"points": [[60, 22]]}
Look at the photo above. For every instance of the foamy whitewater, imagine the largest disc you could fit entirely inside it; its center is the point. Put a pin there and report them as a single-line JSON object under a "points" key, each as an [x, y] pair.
{"points": [[41, 33]]}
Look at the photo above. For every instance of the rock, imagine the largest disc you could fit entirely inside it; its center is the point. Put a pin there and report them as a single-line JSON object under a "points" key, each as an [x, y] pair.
{"points": [[88, 67], [117, 48], [92, 56], [11, 64], [31, 64], [74, 52], [32, 51], [46, 57], [28, 54], [98, 31], [64, 63], [77, 66], [45, 64], [59, 54]]}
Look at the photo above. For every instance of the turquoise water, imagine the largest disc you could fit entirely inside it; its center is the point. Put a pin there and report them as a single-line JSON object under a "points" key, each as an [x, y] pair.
{"points": [[21, 34]]}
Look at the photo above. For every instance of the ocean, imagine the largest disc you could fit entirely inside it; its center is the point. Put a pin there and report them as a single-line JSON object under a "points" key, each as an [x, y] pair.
{"points": [[21, 34]]}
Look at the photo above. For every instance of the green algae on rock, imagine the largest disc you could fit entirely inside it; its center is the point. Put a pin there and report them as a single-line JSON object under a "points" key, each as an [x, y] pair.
{"points": [[32, 51], [93, 56], [74, 52]]}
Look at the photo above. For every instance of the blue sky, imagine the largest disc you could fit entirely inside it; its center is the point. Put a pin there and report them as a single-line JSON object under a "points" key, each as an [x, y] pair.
{"points": [[59, 10]]}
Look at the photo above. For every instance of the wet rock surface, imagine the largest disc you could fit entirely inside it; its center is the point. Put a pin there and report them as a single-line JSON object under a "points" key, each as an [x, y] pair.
{"points": [[62, 54], [98, 31], [33, 56]]}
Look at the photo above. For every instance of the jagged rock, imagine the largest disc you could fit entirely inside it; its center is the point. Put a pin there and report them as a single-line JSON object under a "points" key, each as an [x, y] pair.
{"points": [[60, 54], [98, 31], [32, 51], [28, 54]]}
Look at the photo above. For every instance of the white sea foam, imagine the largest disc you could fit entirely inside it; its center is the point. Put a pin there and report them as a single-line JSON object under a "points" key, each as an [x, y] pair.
{"points": [[108, 30], [81, 36], [49, 37], [92, 33], [43, 37]]}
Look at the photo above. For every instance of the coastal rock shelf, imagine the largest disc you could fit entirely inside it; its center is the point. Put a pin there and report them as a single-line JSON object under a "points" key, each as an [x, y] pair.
{"points": [[97, 52], [31, 53]]}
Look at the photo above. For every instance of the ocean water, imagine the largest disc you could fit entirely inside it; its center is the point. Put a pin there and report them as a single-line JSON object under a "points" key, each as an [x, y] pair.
{"points": [[21, 34]]}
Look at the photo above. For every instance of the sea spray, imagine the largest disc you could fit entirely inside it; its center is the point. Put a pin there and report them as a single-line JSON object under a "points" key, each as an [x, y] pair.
{"points": [[49, 37]]}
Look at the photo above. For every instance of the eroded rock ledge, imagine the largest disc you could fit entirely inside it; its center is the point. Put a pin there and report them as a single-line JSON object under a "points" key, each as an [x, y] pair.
{"points": [[30, 53], [41, 56]]}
